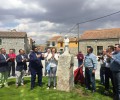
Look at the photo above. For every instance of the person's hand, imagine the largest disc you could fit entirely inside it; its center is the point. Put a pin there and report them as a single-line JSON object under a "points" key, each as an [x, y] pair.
{"points": [[93, 71], [81, 66], [38, 56], [109, 55], [8, 59]]}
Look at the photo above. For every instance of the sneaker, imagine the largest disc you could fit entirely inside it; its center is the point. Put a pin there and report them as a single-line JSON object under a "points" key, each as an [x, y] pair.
{"points": [[0, 86], [106, 92], [54, 88], [6, 85], [93, 91], [48, 88], [22, 84], [16, 85]]}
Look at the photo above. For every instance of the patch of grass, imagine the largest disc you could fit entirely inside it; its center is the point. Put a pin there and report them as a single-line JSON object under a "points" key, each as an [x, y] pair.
{"points": [[41, 93]]}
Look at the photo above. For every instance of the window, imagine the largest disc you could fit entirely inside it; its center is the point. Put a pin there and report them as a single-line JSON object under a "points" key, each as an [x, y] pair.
{"points": [[53, 43], [0, 41], [99, 50]]}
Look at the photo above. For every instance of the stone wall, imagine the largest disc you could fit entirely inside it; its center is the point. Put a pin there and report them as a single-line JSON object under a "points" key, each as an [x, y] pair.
{"points": [[73, 51], [13, 43], [94, 43]]}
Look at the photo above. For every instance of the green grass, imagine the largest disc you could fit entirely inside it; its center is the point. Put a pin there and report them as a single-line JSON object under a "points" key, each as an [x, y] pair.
{"points": [[41, 93]]}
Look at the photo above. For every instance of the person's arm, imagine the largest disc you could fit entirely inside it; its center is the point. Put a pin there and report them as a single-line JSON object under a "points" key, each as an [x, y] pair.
{"points": [[32, 58], [56, 57], [18, 59], [94, 61], [116, 59]]}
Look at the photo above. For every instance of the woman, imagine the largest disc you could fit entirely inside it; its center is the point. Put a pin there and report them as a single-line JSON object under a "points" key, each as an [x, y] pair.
{"points": [[53, 61]]}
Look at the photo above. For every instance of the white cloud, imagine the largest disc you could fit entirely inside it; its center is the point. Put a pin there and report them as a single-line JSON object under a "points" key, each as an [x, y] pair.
{"points": [[19, 4]]}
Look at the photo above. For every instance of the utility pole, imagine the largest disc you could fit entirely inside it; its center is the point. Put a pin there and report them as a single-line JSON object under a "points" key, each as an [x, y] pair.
{"points": [[78, 35]]}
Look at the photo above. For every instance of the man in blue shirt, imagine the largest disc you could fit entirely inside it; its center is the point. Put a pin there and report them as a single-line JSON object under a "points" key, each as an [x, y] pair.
{"points": [[90, 64], [115, 68]]}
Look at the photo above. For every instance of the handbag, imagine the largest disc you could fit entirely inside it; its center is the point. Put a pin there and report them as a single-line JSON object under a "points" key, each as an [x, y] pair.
{"points": [[48, 67]]}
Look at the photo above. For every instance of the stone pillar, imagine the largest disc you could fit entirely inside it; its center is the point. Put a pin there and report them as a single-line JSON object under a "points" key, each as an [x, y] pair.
{"points": [[65, 76]]}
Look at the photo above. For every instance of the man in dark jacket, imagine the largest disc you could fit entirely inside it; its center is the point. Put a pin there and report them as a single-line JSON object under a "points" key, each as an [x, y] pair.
{"points": [[4, 68], [20, 59], [36, 67]]}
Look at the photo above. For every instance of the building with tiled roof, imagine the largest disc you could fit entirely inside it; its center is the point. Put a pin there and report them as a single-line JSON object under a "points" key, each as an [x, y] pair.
{"points": [[14, 40], [52, 42], [58, 42], [99, 39]]}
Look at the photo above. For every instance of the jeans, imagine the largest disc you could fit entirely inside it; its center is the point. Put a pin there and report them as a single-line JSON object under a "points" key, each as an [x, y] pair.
{"points": [[3, 78], [35, 72], [102, 75], [116, 78], [20, 77], [52, 75], [80, 63], [11, 66], [108, 75], [90, 78]]}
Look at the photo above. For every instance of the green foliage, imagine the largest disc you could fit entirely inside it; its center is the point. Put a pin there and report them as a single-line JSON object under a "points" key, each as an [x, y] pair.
{"points": [[41, 93]]}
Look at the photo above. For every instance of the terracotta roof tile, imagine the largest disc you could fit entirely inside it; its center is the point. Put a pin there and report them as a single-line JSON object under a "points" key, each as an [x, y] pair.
{"points": [[101, 34], [13, 34], [55, 38], [71, 39]]}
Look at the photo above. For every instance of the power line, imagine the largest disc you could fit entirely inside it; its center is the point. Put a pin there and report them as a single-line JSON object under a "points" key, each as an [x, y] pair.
{"points": [[99, 18], [93, 20]]}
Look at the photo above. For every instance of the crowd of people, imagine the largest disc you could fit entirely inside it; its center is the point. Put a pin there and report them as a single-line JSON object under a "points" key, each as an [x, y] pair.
{"points": [[8, 68], [109, 61], [110, 69]]}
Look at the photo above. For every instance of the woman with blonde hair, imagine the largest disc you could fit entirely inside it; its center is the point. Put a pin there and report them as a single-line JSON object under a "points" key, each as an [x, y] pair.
{"points": [[53, 62]]}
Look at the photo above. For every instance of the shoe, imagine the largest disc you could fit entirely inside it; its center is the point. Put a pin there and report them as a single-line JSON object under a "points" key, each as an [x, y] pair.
{"points": [[106, 92], [1, 86], [54, 88], [93, 91], [31, 88], [6, 85], [22, 84], [16, 85], [40, 85], [48, 88]]}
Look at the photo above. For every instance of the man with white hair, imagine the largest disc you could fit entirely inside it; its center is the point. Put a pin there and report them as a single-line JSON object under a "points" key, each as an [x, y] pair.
{"points": [[4, 58]]}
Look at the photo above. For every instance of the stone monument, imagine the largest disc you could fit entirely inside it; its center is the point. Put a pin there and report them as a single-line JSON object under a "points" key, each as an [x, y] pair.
{"points": [[65, 76]]}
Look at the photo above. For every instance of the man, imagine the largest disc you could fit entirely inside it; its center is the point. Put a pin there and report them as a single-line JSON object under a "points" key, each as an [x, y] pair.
{"points": [[108, 72], [11, 62], [90, 64], [115, 68], [102, 60], [4, 58], [20, 59], [25, 63], [36, 67], [80, 58]]}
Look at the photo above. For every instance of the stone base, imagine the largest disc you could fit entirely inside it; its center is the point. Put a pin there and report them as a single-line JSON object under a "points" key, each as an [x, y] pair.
{"points": [[65, 77]]}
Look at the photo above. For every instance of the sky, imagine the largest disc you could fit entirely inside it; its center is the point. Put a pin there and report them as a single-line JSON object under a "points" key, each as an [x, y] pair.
{"points": [[43, 19]]}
